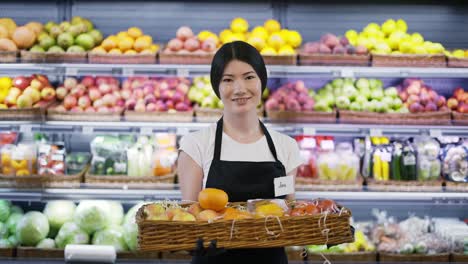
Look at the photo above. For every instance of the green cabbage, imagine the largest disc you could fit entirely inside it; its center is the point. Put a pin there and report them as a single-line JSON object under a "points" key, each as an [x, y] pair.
{"points": [[3, 230], [111, 236], [32, 228], [13, 240], [16, 209], [131, 235], [13, 221], [92, 216], [116, 213], [5, 243], [4, 210], [71, 233], [46, 243], [59, 212]]}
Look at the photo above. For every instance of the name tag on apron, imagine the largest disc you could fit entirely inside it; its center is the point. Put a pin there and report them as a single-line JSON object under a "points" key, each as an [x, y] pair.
{"points": [[284, 185]]}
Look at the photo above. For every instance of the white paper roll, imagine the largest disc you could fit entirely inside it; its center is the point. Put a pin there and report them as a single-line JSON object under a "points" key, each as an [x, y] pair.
{"points": [[90, 253]]}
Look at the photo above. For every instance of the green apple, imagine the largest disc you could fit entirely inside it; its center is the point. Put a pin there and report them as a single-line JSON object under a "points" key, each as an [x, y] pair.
{"points": [[85, 40], [368, 106], [397, 103], [388, 101], [337, 83], [342, 102], [361, 99], [375, 84], [355, 106], [377, 94], [362, 84], [391, 92]]}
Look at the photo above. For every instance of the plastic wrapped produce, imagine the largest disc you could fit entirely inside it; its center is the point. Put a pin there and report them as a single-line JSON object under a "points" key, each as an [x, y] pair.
{"points": [[51, 159], [308, 152], [76, 162], [19, 160], [429, 165], [109, 155], [455, 163]]}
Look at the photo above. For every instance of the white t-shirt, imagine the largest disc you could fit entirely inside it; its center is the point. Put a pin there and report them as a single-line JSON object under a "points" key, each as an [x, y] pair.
{"points": [[200, 147]]}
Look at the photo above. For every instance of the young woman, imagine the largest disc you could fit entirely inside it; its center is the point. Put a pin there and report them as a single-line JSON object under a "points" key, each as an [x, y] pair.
{"points": [[238, 154]]}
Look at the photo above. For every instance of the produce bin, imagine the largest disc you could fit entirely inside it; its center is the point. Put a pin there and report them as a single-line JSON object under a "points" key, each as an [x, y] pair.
{"points": [[409, 60], [334, 59]]}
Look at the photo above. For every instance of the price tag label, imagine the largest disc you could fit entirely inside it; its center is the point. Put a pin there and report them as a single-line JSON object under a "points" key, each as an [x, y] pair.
{"points": [[25, 129], [182, 72], [71, 71], [309, 131], [128, 72], [88, 130], [308, 143], [182, 131], [347, 73], [375, 132], [327, 145], [386, 157], [146, 131], [435, 133], [284, 185]]}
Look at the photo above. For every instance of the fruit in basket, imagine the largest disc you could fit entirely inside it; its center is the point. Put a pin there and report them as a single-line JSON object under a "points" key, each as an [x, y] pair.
{"points": [[207, 215], [214, 199], [7, 45], [194, 209], [291, 97], [132, 41], [330, 43], [268, 209], [186, 41], [184, 217], [235, 214], [419, 97]]}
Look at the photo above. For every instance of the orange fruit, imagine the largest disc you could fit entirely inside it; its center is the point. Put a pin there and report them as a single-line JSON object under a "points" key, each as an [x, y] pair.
{"points": [[115, 51], [109, 43], [232, 213], [147, 51], [135, 32], [141, 44], [147, 38], [126, 43], [99, 50], [214, 199], [130, 52]]}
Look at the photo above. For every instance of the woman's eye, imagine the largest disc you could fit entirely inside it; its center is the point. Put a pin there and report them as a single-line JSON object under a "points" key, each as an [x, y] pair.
{"points": [[227, 80], [250, 77]]}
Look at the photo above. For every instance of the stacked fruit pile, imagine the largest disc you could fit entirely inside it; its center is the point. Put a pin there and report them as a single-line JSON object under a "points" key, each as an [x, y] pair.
{"points": [[203, 94], [419, 97], [458, 53], [143, 94], [330, 43], [25, 92], [459, 101], [129, 42], [13, 37], [90, 95], [392, 38], [186, 42], [291, 97], [77, 35], [269, 39]]}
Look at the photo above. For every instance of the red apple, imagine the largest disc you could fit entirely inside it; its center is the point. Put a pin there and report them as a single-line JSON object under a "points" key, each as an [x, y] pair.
{"points": [[140, 107], [452, 103], [70, 83], [170, 104], [100, 80], [184, 33], [61, 92], [130, 104], [208, 45], [69, 102], [77, 92], [103, 109], [151, 107], [463, 108], [138, 93], [98, 103], [104, 88], [175, 44], [94, 94], [192, 44], [48, 93], [126, 93], [120, 103], [21, 82], [458, 93], [88, 81], [76, 109], [60, 108], [109, 100], [90, 109], [84, 101], [127, 84], [36, 84]]}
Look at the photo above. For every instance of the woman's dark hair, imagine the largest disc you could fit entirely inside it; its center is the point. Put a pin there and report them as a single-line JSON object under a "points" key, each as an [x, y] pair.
{"points": [[237, 50]]}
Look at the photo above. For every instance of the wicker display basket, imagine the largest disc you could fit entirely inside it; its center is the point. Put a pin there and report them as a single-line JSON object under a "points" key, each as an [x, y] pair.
{"points": [[8, 56], [138, 255], [458, 258], [248, 233], [119, 181], [55, 115], [280, 59], [186, 116], [204, 114], [306, 117], [65, 181], [39, 253], [460, 119], [457, 62], [421, 258], [355, 257], [409, 60], [24, 114], [74, 57], [28, 56], [334, 59], [429, 118], [456, 186], [7, 252], [28, 182], [122, 58], [166, 57], [404, 186], [309, 184]]}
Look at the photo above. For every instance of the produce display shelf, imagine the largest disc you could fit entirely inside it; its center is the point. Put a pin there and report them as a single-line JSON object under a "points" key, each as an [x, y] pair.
{"points": [[193, 70], [182, 128], [151, 194]]}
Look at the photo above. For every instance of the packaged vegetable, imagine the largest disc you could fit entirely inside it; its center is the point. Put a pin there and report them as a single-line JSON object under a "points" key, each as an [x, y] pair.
{"points": [[76, 162], [110, 155], [19, 160], [455, 162], [51, 159], [429, 165], [308, 151]]}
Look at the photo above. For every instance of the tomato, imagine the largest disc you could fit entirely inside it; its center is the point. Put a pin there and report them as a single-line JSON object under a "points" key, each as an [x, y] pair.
{"points": [[298, 211], [311, 209], [327, 205]]}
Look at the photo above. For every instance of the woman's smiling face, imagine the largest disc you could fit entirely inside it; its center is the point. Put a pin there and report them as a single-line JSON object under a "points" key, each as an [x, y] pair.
{"points": [[240, 88]]}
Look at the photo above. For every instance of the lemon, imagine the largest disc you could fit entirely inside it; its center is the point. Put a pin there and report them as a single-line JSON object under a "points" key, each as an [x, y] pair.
{"points": [[419, 50], [99, 50], [5, 83], [203, 35], [235, 37], [258, 42], [239, 25], [272, 26], [405, 47], [126, 43], [276, 41], [284, 33], [154, 48], [214, 38], [417, 38], [268, 51], [401, 25], [223, 35], [294, 39], [260, 31], [141, 44], [122, 34], [109, 43], [115, 51], [130, 52], [389, 26], [351, 35], [286, 50], [135, 32]]}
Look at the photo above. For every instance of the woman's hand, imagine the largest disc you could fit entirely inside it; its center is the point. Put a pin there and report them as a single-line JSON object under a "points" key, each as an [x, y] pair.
{"points": [[190, 177]]}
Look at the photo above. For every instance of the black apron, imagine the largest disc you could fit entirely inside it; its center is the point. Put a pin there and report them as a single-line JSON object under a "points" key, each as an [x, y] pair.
{"points": [[244, 180]]}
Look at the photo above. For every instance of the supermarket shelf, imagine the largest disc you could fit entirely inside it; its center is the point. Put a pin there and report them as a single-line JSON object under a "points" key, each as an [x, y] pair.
{"points": [[192, 70], [186, 127]]}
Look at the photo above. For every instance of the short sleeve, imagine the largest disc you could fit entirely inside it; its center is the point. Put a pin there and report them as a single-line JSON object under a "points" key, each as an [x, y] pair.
{"points": [[294, 158], [190, 145]]}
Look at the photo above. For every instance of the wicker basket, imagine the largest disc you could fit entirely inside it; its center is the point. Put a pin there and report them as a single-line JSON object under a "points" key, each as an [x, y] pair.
{"points": [[186, 116], [7, 252], [28, 182], [28, 56], [249, 233], [32, 252], [460, 119], [334, 59], [457, 62], [55, 115], [306, 117], [65, 181], [309, 184], [122, 58], [458, 258], [421, 258], [8, 56], [355, 257], [430, 118], [55, 57], [409, 60], [456, 186], [204, 114], [138, 255], [113, 181], [280, 59], [175, 58], [24, 114], [404, 186]]}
